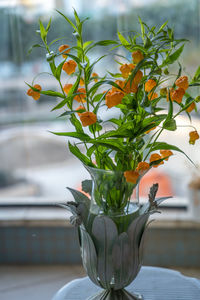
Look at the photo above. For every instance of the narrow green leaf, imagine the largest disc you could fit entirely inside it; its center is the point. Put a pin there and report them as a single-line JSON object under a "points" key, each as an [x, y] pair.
{"points": [[77, 124], [68, 20], [162, 27], [62, 103], [123, 40], [48, 93], [59, 70], [81, 136], [43, 32], [111, 144], [142, 28], [173, 57], [48, 25], [75, 151], [165, 146], [197, 74], [35, 46]]}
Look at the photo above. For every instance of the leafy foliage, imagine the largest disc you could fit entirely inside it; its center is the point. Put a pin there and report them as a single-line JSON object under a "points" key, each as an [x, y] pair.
{"points": [[124, 142]]}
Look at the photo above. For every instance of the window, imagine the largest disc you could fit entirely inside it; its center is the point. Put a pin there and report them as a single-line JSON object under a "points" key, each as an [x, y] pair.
{"points": [[34, 164]]}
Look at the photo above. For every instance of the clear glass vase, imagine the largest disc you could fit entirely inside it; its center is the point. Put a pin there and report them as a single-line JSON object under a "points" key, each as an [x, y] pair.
{"points": [[112, 240]]}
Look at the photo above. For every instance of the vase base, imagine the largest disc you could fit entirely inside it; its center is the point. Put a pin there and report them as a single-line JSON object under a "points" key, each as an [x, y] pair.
{"points": [[116, 295]]}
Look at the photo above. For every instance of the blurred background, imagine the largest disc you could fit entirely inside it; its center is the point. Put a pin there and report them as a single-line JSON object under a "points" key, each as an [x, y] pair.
{"points": [[36, 166]]}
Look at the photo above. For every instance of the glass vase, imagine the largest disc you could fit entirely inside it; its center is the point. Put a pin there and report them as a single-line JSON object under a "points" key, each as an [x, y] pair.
{"points": [[112, 239]]}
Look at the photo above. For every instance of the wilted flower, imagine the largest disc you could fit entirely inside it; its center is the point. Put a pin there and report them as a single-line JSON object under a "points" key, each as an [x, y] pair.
{"points": [[193, 137]]}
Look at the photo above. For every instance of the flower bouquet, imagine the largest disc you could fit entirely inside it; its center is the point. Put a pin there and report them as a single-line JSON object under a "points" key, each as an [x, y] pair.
{"points": [[117, 152]]}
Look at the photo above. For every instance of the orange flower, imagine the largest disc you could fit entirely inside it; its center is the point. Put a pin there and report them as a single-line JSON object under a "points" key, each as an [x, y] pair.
{"points": [[131, 88], [81, 82], [82, 96], [95, 75], [126, 69], [191, 107], [137, 56], [131, 176], [182, 82], [62, 48], [177, 95], [155, 157], [142, 167], [138, 77], [149, 85], [69, 66], [88, 118], [34, 94], [80, 108], [113, 98], [165, 153], [67, 87], [193, 137], [152, 96]]}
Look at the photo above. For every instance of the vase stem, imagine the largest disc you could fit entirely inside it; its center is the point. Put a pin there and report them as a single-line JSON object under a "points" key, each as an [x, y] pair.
{"points": [[116, 295]]}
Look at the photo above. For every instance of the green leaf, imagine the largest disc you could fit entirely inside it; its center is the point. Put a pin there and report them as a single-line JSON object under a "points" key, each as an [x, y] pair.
{"points": [[70, 112], [142, 28], [77, 124], [59, 70], [170, 125], [123, 40], [165, 146], [98, 84], [86, 44], [75, 151], [43, 32], [111, 144], [48, 93], [62, 103], [197, 74], [68, 20], [162, 27], [173, 57], [48, 25], [91, 150], [35, 46], [78, 135]]}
